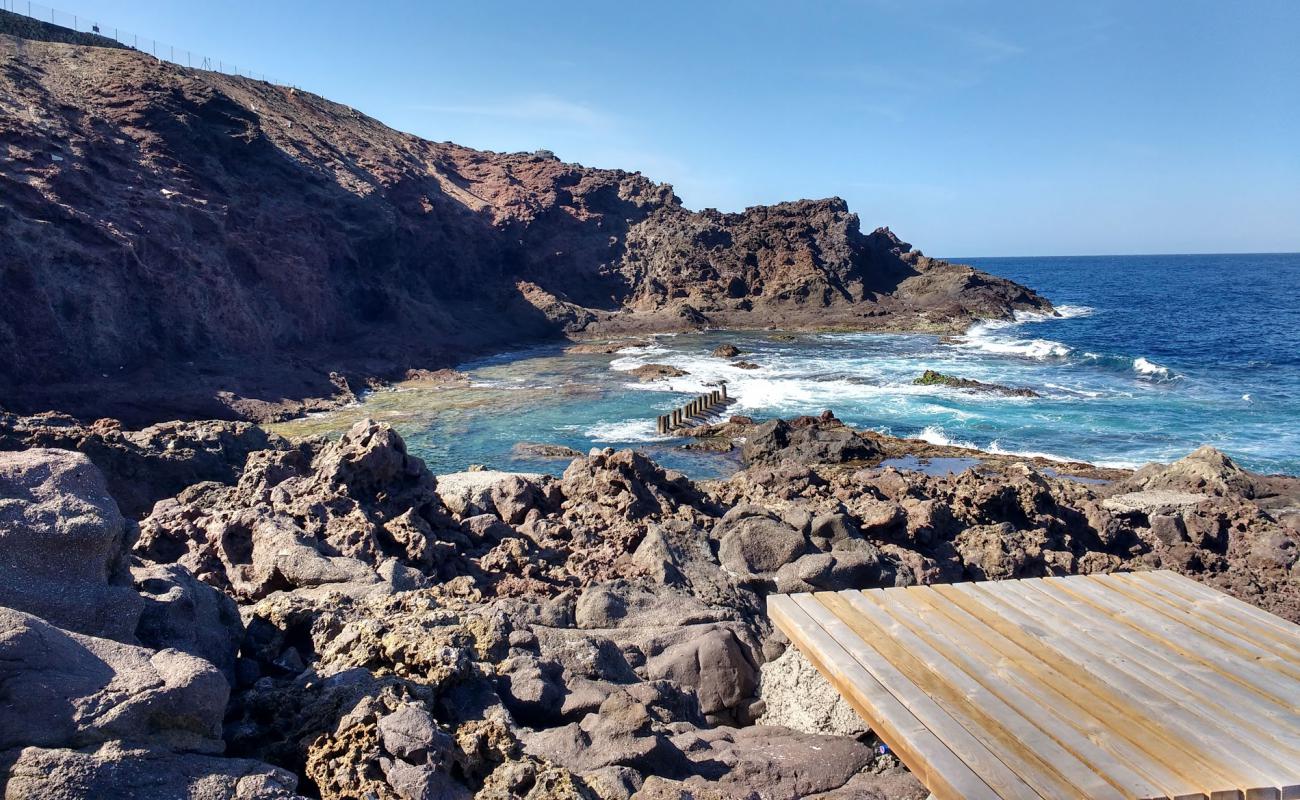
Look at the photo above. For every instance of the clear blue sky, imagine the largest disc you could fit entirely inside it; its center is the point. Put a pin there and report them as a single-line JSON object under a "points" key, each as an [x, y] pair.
{"points": [[971, 128]]}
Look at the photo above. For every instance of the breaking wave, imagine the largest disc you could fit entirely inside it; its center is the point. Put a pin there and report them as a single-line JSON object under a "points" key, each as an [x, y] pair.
{"points": [[630, 430]]}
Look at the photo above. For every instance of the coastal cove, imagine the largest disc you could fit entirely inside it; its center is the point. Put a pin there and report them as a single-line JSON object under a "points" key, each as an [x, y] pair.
{"points": [[1124, 376]]}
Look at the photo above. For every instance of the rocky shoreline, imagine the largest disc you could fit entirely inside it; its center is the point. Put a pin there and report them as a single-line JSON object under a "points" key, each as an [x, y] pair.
{"points": [[194, 607], [334, 253], [332, 619]]}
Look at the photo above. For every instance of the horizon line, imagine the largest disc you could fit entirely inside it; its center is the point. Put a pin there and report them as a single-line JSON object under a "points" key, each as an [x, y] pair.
{"points": [[1129, 255]]}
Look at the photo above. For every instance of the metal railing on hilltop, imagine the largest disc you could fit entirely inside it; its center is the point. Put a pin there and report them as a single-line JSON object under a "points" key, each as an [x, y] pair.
{"points": [[160, 50]]}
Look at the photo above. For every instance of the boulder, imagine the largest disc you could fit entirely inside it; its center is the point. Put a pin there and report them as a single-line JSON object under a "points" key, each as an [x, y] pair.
{"points": [[117, 769], [777, 440], [1204, 471], [183, 613], [759, 545], [61, 545], [621, 733], [769, 762], [714, 664], [857, 568], [726, 351], [64, 689]]}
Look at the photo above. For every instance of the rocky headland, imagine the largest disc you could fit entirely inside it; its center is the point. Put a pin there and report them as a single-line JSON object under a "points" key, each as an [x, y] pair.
{"points": [[191, 607], [191, 245]]}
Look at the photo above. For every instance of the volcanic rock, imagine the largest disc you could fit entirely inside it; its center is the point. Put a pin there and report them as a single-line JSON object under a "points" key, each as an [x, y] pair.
{"points": [[61, 545], [385, 252], [932, 378], [654, 372]]}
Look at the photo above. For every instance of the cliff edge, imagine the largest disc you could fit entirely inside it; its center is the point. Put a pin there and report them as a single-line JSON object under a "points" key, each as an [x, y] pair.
{"points": [[175, 241]]}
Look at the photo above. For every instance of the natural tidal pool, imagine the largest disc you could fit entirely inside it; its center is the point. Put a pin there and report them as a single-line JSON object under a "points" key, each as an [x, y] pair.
{"points": [[1151, 357]]}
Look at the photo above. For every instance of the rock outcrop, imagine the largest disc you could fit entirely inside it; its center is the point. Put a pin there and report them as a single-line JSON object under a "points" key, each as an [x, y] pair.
{"points": [[106, 692], [932, 378], [145, 466], [599, 634], [188, 244]]}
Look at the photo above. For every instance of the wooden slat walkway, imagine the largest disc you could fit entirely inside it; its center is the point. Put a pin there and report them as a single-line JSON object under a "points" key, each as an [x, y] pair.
{"points": [[1141, 685]]}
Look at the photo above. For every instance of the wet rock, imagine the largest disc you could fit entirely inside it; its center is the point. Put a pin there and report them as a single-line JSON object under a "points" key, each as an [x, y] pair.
{"points": [[726, 351], [541, 450], [656, 372], [932, 378], [61, 545]]}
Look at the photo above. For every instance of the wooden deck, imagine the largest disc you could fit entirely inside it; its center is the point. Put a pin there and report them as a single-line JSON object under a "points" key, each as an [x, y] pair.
{"points": [[1144, 685]]}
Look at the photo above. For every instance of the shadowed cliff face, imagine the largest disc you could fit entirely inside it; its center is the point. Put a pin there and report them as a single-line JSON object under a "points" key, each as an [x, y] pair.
{"points": [[173, 241]]}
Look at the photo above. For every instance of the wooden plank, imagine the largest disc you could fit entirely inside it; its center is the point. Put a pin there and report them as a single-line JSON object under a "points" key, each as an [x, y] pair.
{"points": [[1215, 606], [1071, 718], [1229, 604], [1029, 723], [1253, 751], [1180, 640], [969, 749], [1257, 717], [1163, 603], [1228, 764], [1024, 749], [1051, 671], [1173, 749], [928, 758]]}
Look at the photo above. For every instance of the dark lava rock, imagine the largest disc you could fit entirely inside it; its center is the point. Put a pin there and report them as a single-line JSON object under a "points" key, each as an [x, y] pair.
{"points": [[776, 440], [932, 378]]}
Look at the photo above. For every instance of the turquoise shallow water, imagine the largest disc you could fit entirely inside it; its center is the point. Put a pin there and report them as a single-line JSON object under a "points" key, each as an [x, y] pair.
{"points": [[1152, 357]]}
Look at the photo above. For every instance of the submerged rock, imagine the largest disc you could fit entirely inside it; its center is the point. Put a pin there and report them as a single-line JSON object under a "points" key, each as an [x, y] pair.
{"points": [[654, 372], [932, 378]]}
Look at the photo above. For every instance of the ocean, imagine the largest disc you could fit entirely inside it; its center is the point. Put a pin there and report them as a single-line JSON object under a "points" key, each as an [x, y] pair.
{"points": [[1151, 357]]}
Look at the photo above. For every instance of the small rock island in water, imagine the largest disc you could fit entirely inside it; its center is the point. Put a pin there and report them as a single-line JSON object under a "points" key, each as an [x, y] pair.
{"points": [[195, 606]]}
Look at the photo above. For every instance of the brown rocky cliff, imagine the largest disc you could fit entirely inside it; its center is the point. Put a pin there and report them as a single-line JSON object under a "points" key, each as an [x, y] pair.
{"points": [[166, 233]]}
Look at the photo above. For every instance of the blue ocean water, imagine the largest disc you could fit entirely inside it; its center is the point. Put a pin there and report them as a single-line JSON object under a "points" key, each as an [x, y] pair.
{"points": [[1151, 357]]}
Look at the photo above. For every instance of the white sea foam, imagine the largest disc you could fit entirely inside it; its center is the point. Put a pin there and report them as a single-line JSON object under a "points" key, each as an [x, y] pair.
{"points": [[998, 450], [1069, 311], [1146, 367], [936, 435], [983, 336], [630, 430]]}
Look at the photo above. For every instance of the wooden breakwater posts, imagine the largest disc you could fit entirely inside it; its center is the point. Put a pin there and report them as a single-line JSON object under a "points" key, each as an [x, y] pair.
{"points": [[699, 407]]}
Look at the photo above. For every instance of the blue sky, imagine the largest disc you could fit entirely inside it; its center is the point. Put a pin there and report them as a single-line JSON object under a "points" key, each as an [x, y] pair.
{"points": [[971, 128]]}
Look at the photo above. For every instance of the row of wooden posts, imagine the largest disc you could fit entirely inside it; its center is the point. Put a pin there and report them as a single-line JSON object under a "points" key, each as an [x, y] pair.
{"points": [[696, 408]]}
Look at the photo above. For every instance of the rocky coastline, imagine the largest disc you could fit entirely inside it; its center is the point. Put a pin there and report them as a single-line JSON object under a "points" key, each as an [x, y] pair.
{"points": [[192, 245], [193, 607], [330, 619]]}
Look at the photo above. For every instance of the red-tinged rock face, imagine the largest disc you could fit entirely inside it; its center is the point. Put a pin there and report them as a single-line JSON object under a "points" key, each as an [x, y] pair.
{"points": [[167, 234]]}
